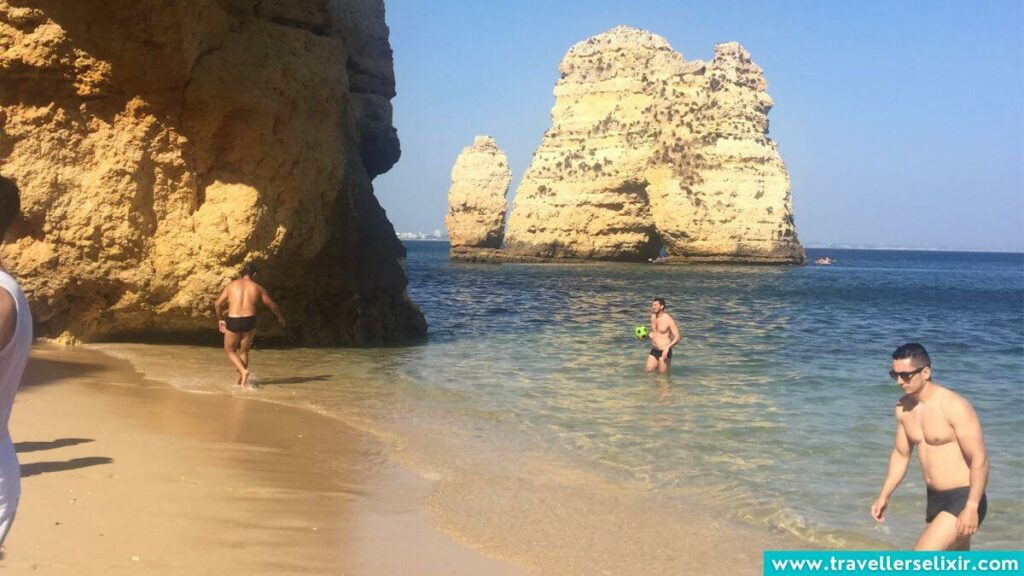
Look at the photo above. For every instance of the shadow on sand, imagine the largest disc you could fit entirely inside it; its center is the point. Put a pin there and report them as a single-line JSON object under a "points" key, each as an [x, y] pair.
{"points": [[22, 447], [37, 468]]}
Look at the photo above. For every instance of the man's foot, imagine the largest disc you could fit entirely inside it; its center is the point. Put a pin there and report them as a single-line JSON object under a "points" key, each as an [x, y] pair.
{"points": [[243, 381]]}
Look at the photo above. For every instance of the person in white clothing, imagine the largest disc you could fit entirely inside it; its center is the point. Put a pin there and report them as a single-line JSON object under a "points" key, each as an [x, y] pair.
{"points": [[15, 341]]}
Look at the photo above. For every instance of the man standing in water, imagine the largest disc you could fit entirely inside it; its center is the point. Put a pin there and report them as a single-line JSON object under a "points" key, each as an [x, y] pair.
{"points": [[664, 335], [15, 341], [239, 327], [951, 448]]}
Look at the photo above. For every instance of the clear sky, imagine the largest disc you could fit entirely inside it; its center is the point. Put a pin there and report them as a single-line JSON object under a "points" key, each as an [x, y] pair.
{"points": [[901, 123]]}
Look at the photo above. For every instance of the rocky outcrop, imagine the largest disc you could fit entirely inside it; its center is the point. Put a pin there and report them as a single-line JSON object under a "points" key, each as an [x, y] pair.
{"points": [[648, 151], [476, 199], [159, 145]]}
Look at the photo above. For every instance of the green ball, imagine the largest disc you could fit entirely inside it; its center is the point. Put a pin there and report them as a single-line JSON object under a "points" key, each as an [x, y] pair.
{"points": [[641, 332]]}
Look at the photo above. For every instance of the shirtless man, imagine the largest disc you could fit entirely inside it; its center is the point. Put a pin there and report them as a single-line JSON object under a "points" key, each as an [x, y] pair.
{"points": [[951, 448], [239, 327], [664, 335]]}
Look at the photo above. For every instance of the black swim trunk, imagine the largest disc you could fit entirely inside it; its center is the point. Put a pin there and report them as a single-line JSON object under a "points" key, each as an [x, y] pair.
{"points": [[241, 324], [952, 501], [657, 353]]}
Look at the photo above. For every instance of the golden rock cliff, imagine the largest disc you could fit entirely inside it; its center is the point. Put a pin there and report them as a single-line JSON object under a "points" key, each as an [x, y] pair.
{"points": [[648, 151], [159, 145], [476, 198]]}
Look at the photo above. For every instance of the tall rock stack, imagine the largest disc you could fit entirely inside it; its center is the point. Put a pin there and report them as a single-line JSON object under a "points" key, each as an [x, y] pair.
{"points": [[476, 200], [160, 144], [647, 151]]}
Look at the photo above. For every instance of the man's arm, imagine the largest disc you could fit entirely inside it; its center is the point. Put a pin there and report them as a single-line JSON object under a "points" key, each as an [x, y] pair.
{"points": [[269, 303], [674, 332], [219, 305], [899, 461], [965, 424]]}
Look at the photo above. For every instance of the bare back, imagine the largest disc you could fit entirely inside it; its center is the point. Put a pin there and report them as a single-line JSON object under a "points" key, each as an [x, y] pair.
{"points": [[929, 429], [243, 296]]}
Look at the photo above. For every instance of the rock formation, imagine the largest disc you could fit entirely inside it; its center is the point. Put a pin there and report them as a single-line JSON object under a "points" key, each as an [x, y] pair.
{"points": [[160, 144], [476, 199], [646, 151]]}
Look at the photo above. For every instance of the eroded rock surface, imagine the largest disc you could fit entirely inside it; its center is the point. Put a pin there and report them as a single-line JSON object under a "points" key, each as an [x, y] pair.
{"points": [[160, 144], [648, 151], [476, 198]]}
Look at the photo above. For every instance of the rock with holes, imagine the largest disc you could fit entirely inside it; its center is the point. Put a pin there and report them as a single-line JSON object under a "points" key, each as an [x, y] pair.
{"points": [[476, 199], [159, 145], [648, 151]]}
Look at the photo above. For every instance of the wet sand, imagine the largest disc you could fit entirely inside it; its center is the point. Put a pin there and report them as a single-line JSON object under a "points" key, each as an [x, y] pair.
{"points": [[120, 473]]}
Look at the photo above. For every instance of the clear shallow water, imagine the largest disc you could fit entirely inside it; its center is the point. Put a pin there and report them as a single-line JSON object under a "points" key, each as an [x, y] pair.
{"points": [[778, 411], [779, 408]]}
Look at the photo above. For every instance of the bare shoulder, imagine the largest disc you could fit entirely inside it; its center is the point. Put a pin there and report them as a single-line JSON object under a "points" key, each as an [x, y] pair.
{"points": [[905, 404], [7, 304], [954, 403], [8, 317]]}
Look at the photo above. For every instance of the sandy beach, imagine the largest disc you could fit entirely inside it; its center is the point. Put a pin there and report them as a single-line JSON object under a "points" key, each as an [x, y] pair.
{"points": [[120, 473]]}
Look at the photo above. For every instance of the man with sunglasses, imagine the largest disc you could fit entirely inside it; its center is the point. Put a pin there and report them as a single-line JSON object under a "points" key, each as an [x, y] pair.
{"points": [[943, 427]]}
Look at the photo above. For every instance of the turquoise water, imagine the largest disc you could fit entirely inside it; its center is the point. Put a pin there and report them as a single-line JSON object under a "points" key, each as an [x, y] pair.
{"points": [[779, 408], [778, 413]]}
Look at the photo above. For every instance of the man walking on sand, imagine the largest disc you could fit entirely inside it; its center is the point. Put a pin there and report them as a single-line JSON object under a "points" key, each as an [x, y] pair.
{"points": [[15, 341], [942, 425], [239, 327], [664, 335]]}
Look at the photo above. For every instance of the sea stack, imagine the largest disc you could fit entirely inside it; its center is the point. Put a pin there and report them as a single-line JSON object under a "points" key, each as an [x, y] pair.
{"points": [[648, 151], [161, 144], [476, 200]]}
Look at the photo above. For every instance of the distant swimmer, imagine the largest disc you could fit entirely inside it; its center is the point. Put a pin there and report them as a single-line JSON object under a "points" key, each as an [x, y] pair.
{"points": [[942, 425], [664, 335], [239, 327]]}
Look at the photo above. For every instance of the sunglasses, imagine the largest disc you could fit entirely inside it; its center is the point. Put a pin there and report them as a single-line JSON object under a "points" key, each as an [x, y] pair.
{"points": [[906, 376]]}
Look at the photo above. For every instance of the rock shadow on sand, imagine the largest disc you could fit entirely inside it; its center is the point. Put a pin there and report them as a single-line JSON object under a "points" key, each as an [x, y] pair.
{"points": [[37, 468], [22, 447]]}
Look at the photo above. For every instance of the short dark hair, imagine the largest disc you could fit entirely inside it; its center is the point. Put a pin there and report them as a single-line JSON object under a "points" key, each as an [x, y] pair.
{"points": [[660, 301], [914, 351], [249, 269], [10, 204]]}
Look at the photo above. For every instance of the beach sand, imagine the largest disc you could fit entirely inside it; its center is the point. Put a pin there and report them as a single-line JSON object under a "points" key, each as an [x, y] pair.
{"points": [[124, 474], [121, 472]]}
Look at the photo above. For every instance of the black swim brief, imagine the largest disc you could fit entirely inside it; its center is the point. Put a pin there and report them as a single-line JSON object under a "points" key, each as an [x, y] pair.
{"points": [[657, 353], [952, 501], [241, 324]]}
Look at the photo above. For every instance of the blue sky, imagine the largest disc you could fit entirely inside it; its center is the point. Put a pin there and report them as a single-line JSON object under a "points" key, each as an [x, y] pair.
{"points": [[901, 123]]}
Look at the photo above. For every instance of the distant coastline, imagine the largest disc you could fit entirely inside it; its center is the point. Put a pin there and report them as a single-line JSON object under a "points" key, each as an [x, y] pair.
{"points": [[403, 236], [912, 249]]}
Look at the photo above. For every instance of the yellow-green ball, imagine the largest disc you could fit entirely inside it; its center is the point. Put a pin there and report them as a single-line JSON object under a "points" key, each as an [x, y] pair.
{"points": [[641, 332]]}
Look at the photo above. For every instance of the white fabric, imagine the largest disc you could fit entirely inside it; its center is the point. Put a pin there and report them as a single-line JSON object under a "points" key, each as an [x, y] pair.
{"points": [[12, 365]]}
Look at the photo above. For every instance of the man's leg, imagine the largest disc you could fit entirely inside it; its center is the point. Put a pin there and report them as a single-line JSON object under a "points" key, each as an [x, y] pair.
{"points": [[231, 341], [941, 535], [664, 363], [652, 363], [243, 353], [245, 346]]}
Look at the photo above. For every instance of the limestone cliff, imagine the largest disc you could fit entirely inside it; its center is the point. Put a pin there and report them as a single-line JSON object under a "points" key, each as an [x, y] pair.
{"points": [[646, 151], [476, 199], [159, 144]]}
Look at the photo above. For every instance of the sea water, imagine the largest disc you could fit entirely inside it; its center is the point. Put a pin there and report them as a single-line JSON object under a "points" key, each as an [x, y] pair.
{"points": [[777, 414]]}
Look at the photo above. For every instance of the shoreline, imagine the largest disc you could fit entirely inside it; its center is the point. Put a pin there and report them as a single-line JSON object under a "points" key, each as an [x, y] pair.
{"points": [[122, 472], [484, 483]]}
